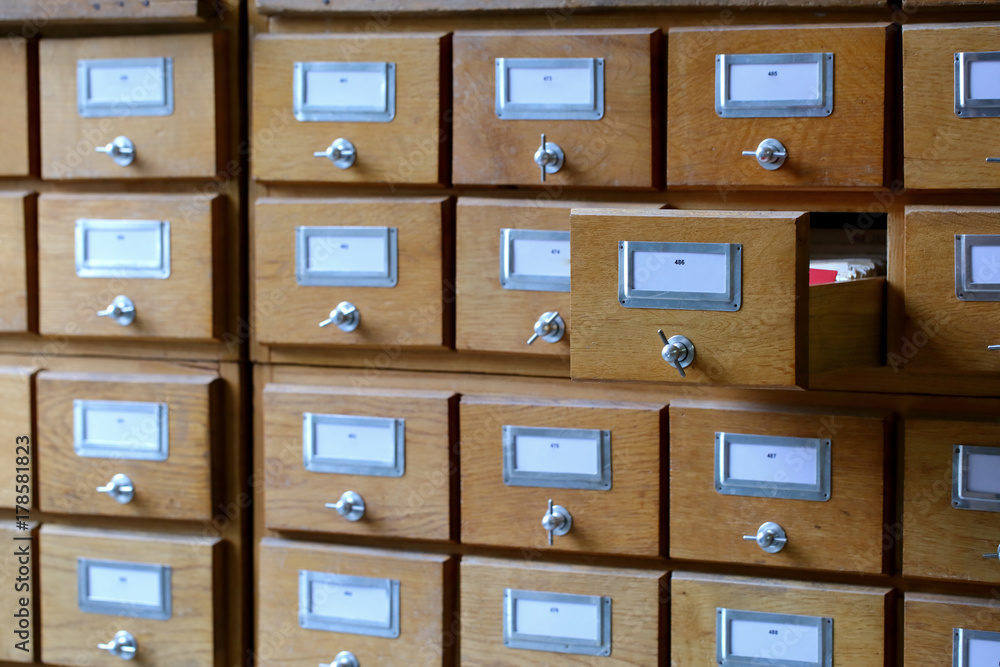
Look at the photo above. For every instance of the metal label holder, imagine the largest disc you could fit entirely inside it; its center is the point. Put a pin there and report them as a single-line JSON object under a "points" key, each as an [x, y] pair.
{"points": [[316, 463], [134, 107], [87, 603], [524, 281], [730, 486], [522, 640], [960, 644], [307, 276], [630, 297], [723, 638], [819, 106], [557, 480], [967, 287], [966, 107], [507, 110], [86, 267], [961, 497], [157, 417], [305, 112], [314, 621]]}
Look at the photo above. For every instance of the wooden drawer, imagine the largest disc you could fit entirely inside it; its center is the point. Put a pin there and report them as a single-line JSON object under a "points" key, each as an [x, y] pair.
{"points": [[389, 258], [18, 263], [608, 131], [17, 390], [396, 449], [610, 617], [763, 325], [163, 96], [946, 140], [161, 589], [94, 249], [19, 566], [598, 461], [848, 621], [19, 141], [935, 625], [396, 123], [404, 603], [947, 536], [160, 431], [838, 140], [819, 477], [952, 295]]}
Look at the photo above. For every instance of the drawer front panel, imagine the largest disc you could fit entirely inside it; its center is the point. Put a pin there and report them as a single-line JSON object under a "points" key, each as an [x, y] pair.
{"points": [[937, 628]]}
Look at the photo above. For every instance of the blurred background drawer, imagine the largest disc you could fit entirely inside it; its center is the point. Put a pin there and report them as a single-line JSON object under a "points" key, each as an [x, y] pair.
{"points": [[20, 566], [814, 480], [592, 93], [598, 462], [19, 141], [159, 255], [360, 461], [18, 263], [380, 607], [945, 631], [551, 615], [141, 107], [148, 440], [17, 406]]}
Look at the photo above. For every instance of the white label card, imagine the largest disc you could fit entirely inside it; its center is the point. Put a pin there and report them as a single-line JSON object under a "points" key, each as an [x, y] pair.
{"points": [[121, 429], [562, 85], [763, 463], [986, 262], [983, 473], [774, 82], [688, 272], [107, 583], [557, 619], [121, 246], [580, 456], [346, 89], [362, 442], [122, 87], [774, 641], [984, 83], [984, 653], [359, 604], [348, 254], [110, 85], [541, 258]]}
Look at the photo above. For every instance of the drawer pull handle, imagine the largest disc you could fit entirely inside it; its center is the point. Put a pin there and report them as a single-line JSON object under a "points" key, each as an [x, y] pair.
{"points": [[122, 645], [770, 537], [343, 659], [993, 159], [996, 555], [120, 488], [993, 347], [345, 316], [341, 153], [121, 150], [557, 521], [770, 154], [351, 506], [678, 351], [549, 327], [549, 157], [121, 310]]}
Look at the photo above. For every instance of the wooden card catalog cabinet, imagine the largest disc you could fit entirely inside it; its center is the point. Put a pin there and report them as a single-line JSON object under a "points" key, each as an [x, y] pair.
{"points": [[784, 489], [329, 108], [339, 605], [142, 107], [550, 615], [711, 297], [589, 93], [951, 286], [947, 631], [139, 266], [951, 106], [575, 475], [16, 409], [951, 488], [19, 140], [778, 106], [111, 595], [127, 445], [18, 263], [19, 568], [44, 12], [735, 621], [353, 272]]}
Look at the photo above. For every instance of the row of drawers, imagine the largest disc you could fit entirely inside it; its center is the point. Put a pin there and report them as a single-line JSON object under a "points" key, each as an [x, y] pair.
{"points": [[383, 276], [158, 595], [327, 108], [385, 463]]}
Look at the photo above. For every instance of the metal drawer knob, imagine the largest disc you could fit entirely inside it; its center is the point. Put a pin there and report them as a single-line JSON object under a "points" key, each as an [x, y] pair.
{"points": [[345, 316], [770, 154], [549, 327], [120, 488], [549, 157], [557, 521], [122, 645], [993, 347], [343, 659], [993, 159], [351, 506], [996, 555], [121, 150], [341, 153], [678, 351], [121, 310], [770, 537]]}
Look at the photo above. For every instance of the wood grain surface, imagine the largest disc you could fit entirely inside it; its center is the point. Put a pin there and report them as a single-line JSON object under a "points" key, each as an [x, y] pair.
{"points": [[189, 637], [943, 333], [927, 510], [762, 344], [17, 391], [178, 488], [18, 262], [843, 533], [557, 8], [19, 574], [18, 142], [427, 633], [625, 519], [180, 145], [941, 149], [417, 505], [622, 149], [846, 325], [846, 149], [416, 313], [930, 622], [861, 615], [187, 305], [410, 149], [638, 611], [44, 12]]}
